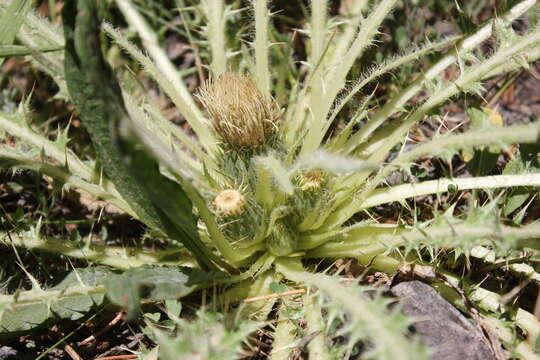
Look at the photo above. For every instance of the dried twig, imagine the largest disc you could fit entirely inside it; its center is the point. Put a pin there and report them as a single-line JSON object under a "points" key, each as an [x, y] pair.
{"points": [[99, 333], [118, 357], [72, 353]]}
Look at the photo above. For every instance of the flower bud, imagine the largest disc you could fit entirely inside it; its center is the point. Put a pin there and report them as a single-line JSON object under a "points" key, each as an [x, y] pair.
{"points": [[229, 202], [240, 114], [311, 180]]}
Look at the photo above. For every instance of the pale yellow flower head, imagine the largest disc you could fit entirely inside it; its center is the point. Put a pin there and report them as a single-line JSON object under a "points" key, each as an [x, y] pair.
{"points": [[229, 202]]}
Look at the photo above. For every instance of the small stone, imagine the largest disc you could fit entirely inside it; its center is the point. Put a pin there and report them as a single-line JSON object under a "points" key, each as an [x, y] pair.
{"points": [[7, 353]]}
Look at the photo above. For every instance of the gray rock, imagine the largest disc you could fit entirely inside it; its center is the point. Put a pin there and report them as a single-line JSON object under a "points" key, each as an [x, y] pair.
{"points": [[441, 326], [7, 353]]}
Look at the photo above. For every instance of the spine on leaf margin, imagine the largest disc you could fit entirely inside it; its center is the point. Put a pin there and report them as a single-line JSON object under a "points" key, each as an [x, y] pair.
{"points": [[97, 96]]}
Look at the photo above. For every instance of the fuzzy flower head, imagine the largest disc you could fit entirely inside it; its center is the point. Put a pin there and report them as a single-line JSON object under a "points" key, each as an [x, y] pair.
{"points": [[229, 202], [240, 114], [312, 180]]}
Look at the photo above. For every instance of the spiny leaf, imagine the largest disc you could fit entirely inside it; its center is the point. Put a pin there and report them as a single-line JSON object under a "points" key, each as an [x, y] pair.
{"points": [[277, 171], [350, 314], [336, 164], [71, 299], [153, 283], [97, 95], [209, 336]]}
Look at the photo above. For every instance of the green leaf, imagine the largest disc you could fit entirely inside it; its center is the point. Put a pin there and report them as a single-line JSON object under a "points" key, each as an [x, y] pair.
{"points": [[482, 162], [71, 299], [75, 307], [12, 20], [515, 199], [514, 167], [154, 317], [526, 160], [151, 283], [19, 50], [172, 205], [173, 307], [484, 159], [209, 336], [23, 317], [336, 164], [530, 155], [277, 288], [152, 354], [199, 277], [172, 200], [97, 96], [88, 276], [15, 186], [400, 37], [278, 172]]}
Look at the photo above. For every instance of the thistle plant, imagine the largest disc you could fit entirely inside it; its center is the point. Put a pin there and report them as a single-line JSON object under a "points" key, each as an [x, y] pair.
{"points": [[279, 171]]}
